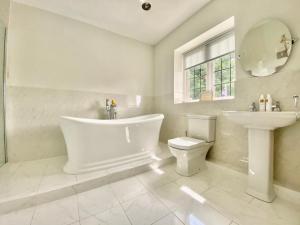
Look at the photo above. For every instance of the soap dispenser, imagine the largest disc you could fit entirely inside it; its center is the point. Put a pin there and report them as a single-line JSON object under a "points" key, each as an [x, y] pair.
{"points": [[262, 103], [269, 103]]}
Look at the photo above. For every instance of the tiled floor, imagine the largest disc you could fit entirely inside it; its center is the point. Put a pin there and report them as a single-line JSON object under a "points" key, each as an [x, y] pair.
{"points": [[162, 197], [19, 180]]}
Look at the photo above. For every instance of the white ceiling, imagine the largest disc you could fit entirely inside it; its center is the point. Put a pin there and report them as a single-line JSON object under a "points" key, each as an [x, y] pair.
{"points": [[125, 17]]}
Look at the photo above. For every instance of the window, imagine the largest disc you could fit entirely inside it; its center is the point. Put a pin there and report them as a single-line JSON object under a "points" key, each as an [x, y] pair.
{"points": [[210, 69], [224, 76], [204, 68], [196, 80]]}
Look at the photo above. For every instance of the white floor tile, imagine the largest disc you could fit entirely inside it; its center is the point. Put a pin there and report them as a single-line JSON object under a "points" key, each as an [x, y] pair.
{"points": [[194, 212], [158, 177], [250, 218], [113, 216], [120, 172], [8, 169], [25, 180], [195, 182], [87, 185], [96, 201], [144, 210], [92, 220], [60, 212], [55, 177], [212, 175], [53, 195], [255, 212], [127, 189], [225, 202], [233, 223], [76, 223], [170, 219], [213, 196], [279, 210], [185, 201], [235, 186], [22, 217], [91, 175], [171, 195]]}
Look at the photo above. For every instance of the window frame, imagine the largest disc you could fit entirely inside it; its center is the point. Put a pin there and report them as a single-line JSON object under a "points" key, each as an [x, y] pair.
{"points": [[210, 77]]}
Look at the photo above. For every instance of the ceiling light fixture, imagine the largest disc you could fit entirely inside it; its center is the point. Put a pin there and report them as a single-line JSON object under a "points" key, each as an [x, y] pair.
{"points": [[145, 5]]}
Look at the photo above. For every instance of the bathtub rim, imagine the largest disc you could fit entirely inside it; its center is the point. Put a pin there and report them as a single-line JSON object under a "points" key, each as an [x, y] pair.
{"points": [[122, 121]]}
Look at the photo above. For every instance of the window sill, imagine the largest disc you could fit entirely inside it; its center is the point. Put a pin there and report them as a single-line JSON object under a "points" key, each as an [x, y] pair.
{"points": [[223, 98], [214, 100]]}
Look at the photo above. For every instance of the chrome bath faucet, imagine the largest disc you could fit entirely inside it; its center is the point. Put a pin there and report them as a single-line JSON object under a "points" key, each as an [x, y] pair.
{"points": [[111, 109]]}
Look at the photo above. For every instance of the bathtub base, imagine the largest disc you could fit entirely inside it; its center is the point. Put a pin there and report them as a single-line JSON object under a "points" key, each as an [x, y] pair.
{"points": [[78, 168]]}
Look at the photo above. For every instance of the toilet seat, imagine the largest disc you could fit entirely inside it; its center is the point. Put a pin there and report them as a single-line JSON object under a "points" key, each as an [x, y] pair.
{"points": [[185, 143]]}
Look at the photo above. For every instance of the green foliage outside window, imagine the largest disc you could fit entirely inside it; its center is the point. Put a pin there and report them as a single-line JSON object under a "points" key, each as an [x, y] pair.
{"points": [[223, 77]]}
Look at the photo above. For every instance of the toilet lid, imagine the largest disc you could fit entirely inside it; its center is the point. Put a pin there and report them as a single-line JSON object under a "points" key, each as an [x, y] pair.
{"points": [[185, 143]]}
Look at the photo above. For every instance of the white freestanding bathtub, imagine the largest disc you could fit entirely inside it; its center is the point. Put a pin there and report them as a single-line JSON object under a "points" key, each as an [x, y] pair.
{"points": [[102, 144]]}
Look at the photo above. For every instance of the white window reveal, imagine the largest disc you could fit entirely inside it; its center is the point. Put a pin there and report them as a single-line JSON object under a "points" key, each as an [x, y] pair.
{"points": [[205, 67]]}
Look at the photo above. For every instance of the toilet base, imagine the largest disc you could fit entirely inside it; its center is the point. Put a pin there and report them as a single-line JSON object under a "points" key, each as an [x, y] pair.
{"points": [[190, 162], [189, 167]]}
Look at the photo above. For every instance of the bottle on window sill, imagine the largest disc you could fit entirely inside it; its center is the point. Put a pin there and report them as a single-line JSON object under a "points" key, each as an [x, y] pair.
{"points": [[206, 96]]}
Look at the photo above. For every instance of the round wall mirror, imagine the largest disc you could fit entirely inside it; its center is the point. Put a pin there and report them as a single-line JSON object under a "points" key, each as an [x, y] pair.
{"points": [[266, 48]]}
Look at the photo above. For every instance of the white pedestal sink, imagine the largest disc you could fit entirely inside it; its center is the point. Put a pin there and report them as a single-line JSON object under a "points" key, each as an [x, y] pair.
{"points": [[260, 145]]}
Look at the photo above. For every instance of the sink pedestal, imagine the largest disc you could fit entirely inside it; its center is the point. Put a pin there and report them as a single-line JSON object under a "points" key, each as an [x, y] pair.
{"points": [[261, 126], [260, 170]]}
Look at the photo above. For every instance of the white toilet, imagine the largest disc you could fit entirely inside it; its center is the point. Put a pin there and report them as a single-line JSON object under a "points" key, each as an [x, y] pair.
{"points": [[191, 151]]}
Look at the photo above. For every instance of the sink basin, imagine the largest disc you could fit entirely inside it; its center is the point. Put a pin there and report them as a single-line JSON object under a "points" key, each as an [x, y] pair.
{"points": [[260, 147], [262, 120]]}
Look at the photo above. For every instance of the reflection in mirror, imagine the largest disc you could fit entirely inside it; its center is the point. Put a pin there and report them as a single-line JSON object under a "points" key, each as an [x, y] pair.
{"points": [[266, 48], [2, 68]]}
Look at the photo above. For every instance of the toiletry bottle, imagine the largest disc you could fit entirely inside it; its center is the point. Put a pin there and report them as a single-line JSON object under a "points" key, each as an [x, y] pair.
{"points": [[269, 103], [262, 103]]}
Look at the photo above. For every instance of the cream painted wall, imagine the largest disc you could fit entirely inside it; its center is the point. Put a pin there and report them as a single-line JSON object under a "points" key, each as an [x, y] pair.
{"points": [[51, 51], [230, 148], [59, 66]]}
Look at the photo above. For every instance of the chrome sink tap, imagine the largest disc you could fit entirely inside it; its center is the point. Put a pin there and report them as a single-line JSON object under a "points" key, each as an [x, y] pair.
{"points": [[276, 107], [252, 107], [107, 107], [296, 98]]}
